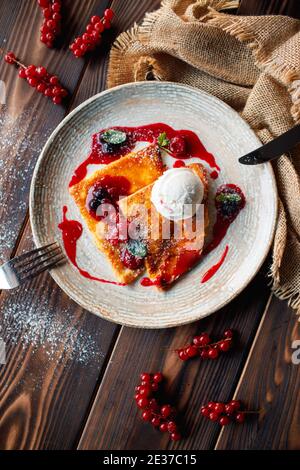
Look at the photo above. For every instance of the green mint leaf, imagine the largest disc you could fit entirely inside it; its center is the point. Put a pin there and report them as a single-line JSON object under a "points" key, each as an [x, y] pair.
{"points": [[137, 248], [231, 198], [113, 136], [163, 140]]}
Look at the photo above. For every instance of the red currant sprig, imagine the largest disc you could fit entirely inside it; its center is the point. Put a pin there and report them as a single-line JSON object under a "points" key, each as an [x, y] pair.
{"points": [[92, 37], [39, 78], [226, 413], [204, 347], [161, 417], [51, 26]]}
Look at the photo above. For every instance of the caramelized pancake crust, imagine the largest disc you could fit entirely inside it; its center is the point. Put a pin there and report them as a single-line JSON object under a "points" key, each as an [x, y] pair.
{"points": [[140, 169], [168, 257]]}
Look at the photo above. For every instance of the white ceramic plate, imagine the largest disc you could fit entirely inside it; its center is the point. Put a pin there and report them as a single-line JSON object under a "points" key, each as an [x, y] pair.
{"points": [[225, 135]]}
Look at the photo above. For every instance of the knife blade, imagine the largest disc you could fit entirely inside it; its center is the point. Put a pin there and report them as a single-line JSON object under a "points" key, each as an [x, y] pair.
{"points": [[273, 149]]}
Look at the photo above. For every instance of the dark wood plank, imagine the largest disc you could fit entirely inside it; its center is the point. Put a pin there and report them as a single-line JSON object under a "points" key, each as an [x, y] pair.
{"points": [[270, 7], [271, 383], [56, 353], [114, 421], [53, 388], [28, 118]]}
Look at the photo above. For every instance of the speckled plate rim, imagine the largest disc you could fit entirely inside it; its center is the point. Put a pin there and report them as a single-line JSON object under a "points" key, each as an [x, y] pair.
{"points": [[103, 313]]}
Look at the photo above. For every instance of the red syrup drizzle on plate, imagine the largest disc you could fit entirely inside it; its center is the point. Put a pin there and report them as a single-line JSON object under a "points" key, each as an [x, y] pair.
{"points": [[212, 271], [148, 133], [178, 164], [71, 232]]}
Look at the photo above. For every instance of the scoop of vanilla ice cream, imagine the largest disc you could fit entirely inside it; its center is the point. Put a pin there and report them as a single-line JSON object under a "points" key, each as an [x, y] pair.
{"points": [[176, 193]]}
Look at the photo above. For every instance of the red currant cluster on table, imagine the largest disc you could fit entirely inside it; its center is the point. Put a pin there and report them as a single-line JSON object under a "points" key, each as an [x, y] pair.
{"points": [[39, 78], [161, 417], [205, 348], [92, 37], [51, 26], [225, 413]]}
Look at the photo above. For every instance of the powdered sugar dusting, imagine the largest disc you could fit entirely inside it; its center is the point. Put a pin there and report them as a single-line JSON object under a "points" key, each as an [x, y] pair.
{"points": [[39, 325], [19, 150]]}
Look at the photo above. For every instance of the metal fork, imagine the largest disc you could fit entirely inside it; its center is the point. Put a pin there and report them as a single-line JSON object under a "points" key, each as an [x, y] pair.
{"points": [[29, 265]]}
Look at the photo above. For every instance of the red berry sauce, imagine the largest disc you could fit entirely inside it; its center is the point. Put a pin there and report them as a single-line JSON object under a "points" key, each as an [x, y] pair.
{"points": [[71, 232], [101, 153], [212, 271]]}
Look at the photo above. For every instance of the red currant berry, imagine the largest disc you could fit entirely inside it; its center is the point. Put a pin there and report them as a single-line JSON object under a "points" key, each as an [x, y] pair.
{"points": [[154, 386], [86, 38], [145, 391], [30, 71], [99, 27], [56, 6], [48, 92], [236, 404], [147, 415], [22, 73], [63, 93], [225, 346], [224, 420], [213, 353], [240, 418], [109, 14], [95, 19], [205, 411], [143, 402], [78, 41], [213, 416], [56, 17], [56, 91], [175, 436], [204, 353], [89, 28], [32, 81], [166, 411], [229, 409], [219, 408], [51, 24], [47, 13], [155, 421], [96, 36], [41, 87], [10, 58], [53, 80], [211, 405], [43, 3], [41, 71], [106, 23], [182, 355], [158, 377], [202, 340], [43, 38], [191, 351], [228, 334], [77, 53], [49, 44], [163, 427], [50, 37], [172, 426], [145, 377]]}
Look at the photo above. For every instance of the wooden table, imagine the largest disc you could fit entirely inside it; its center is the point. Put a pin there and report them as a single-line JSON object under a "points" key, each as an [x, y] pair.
{"points": [[69, 377]]}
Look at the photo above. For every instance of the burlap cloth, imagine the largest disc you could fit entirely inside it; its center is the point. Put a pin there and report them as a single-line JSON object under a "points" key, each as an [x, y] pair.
{"points": [[251, 63]]}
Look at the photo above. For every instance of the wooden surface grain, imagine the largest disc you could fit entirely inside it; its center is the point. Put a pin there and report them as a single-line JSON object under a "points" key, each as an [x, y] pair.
{"points": [[77, 391]]}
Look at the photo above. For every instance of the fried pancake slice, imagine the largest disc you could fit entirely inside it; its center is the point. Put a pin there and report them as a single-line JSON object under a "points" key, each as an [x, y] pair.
{"points": [[173, 248], [140, 169]]}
